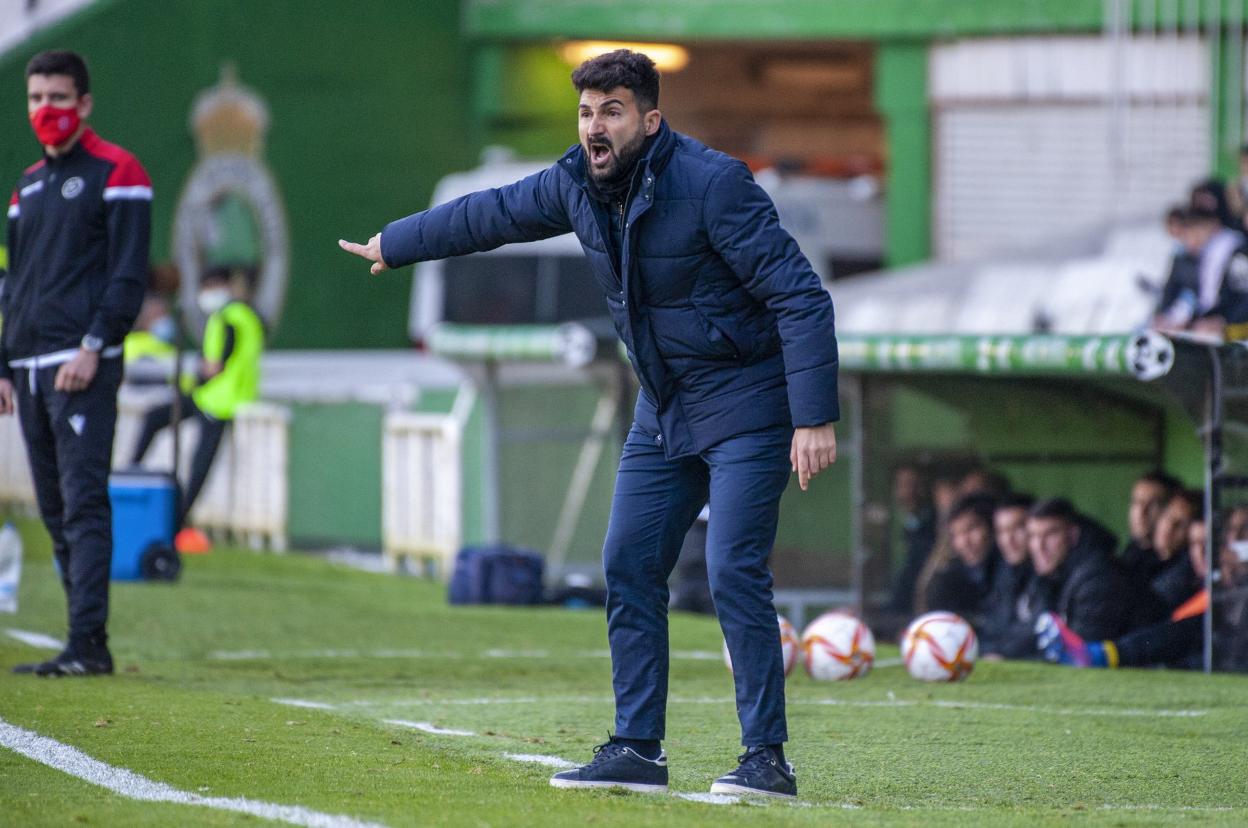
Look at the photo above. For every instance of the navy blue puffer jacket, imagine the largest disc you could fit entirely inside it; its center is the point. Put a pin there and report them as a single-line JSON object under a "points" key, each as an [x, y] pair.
{"points": [[726, 325]]}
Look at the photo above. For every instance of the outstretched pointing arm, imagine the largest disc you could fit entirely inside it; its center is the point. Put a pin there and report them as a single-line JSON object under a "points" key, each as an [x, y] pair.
{"points": [[528, 210]]}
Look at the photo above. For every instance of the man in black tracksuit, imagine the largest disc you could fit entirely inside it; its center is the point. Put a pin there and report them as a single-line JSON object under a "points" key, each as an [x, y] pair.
{"points": [[1074, 577], [78, 234]]}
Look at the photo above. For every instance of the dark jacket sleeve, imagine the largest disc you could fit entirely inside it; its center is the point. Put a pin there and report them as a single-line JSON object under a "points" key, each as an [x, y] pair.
{"points": [[528, 210], [1098, 606], [129, 223], [1182, 277], [1232, 302], [11, 245], [745, 230]]}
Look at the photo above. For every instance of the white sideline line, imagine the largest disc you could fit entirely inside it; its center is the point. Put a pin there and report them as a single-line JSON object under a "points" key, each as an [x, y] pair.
{"points": [[131, 785], [709, 798], [311, 705], [34, 639], [516, 654], [428, 727], [538, 759], [1126, 712], [693, 655], [261, 655]]}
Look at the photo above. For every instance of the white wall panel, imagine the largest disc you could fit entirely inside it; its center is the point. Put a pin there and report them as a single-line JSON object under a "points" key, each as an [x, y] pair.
{"points": [[1029, 146]]}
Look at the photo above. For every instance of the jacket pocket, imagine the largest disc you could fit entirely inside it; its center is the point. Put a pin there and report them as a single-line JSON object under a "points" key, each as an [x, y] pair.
{"points": [[725, 339]]}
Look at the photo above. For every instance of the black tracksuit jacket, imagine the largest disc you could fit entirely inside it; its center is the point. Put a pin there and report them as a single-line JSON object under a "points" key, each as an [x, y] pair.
{"points": [[78, 235]]}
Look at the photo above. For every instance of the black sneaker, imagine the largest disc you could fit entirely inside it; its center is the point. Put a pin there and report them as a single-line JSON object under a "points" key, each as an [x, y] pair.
{"points": [[760, 773], [616, 766], [97, 662]]}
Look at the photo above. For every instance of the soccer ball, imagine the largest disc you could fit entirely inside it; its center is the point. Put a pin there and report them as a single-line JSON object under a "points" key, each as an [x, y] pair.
{"points": [[788, 646], [838, 646], [939, 646]]}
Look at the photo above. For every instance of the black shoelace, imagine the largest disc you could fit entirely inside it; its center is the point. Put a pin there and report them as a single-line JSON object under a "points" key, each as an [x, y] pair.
{"points": [[754, 760], [604, 752]]}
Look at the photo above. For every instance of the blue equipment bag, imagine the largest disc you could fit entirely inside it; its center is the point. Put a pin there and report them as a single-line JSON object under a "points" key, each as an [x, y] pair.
{"points": [[496, 575]]}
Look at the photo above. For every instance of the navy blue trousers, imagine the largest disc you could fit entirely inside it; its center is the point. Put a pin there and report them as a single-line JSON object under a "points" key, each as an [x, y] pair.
{"points": [[656, 501], [69, 441]]}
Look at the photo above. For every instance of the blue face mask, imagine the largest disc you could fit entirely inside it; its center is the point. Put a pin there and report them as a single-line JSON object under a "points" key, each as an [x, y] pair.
{"points": [[164, 329]]}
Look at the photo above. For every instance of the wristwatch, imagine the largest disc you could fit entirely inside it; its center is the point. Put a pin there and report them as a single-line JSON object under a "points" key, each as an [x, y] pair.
{"points": [[92, 343]]}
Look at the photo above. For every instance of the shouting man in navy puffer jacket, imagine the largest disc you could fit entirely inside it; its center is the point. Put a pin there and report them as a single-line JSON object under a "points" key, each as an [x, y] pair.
{"points": [[731, 335]]}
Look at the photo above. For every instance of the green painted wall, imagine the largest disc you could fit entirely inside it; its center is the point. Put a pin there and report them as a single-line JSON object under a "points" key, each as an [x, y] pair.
{"points": [[901, 98], [370, 105], [1074, 440], [523, 99]]}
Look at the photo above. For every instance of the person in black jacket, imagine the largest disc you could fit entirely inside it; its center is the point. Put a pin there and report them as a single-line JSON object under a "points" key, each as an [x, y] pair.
{"points": [[1075, 577], [1007, 618], [1172, 579], [1149, 495], [918, 532], [963, 584], [1214, 296], [79, 230], [1176, 641]]}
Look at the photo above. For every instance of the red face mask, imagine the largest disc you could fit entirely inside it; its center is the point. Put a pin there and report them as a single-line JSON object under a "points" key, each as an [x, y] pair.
{"points": [[53, 125]]}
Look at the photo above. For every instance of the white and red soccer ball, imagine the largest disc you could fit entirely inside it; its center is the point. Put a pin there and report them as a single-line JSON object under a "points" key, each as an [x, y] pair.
{"points": [[788, 646], [939, 646], [837, 646]]}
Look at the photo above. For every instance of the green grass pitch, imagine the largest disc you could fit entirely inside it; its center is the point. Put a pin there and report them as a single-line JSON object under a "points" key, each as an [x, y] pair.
{"points": [[201, 662]]}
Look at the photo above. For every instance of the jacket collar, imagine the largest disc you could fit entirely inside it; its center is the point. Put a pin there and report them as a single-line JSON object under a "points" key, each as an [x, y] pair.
{"points": [[653, 162], [87, 137]]}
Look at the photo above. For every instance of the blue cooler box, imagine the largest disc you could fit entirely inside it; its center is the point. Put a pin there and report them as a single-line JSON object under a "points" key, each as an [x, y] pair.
{"points": [[144, 507]]}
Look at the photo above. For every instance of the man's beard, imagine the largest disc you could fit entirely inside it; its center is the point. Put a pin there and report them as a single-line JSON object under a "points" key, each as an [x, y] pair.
{"points": [[625, 157]]}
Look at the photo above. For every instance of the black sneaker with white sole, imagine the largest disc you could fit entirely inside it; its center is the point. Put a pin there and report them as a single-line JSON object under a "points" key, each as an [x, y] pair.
{"points": [[73, 662], [760, 772], [617, 766]]}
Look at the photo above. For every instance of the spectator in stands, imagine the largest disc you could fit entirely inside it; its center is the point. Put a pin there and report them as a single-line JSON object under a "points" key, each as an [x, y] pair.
{"points": [[1008, 617], [1234, 558], [1149, 495], [946, 489], [1218, 298], [1237, 190], [1075, 577], [979, 480], [1176, 641], [153, 334], [912, 502], [1209, 196], [1178, 298], [230, 377], [1173, 580], [962, 582]]}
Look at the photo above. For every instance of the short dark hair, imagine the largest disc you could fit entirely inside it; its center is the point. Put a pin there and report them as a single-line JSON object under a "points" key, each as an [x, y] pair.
{"points": [[1055, 507], [978, 504], [1169, 483], [61, 62], [1203, 215], [634, 71], [1194, 498], [1016, 500], [217, 274]]}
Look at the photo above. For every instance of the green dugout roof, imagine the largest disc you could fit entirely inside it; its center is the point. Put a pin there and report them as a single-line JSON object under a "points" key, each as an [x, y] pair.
{"points": [[795, 19], [1145, 356]]}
